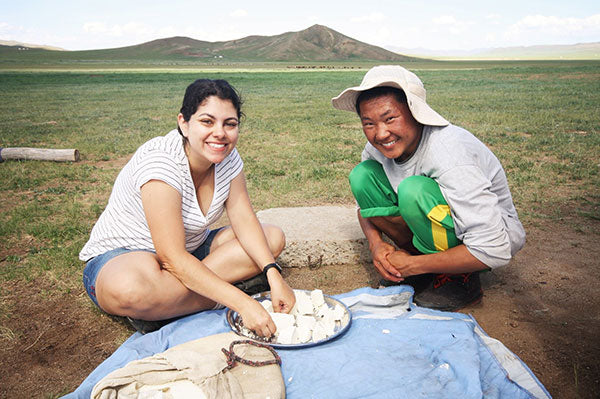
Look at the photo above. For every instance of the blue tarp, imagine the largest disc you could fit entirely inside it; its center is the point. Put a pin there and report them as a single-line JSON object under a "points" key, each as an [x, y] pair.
{"points": [[388, 352]]}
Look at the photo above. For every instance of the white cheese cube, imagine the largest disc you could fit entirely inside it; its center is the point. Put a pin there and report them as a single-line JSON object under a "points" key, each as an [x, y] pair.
{"points": [[318, 333], [317, 298], [303, 303], [268, 305], [338, 312], [306, 321], [302, 334], [286, 335], [323, 311], [327, 324], [282, 320]]}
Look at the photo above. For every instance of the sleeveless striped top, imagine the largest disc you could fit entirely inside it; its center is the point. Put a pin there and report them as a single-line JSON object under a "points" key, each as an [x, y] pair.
{"points": [[123, 222]]}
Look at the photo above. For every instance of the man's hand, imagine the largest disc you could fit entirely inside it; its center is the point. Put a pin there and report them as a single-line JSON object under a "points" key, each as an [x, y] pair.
{"points": [[380, 252], [454, 260], [403, 262]]}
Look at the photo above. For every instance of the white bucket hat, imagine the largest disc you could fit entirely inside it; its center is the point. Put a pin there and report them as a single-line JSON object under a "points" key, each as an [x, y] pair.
{"points": [[400, 78]]}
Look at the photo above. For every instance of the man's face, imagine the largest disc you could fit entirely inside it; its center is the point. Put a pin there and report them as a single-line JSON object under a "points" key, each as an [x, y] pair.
{"points": [[390, 127]]}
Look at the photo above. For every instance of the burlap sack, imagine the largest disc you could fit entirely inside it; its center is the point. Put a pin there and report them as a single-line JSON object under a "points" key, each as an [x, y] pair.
{"points": [[195, 369]]}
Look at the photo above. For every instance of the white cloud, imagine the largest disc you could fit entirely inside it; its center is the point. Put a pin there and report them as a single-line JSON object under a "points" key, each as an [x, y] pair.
{"points": [[239, 13], [493, 16], [131, 29], [444, 20], [136, 32], [373, 17], [550, 29], [167, 31], [490, 38], [382, 34], [493, 19], [28, 35], [110, 36], [135, 29], [10, 32], [94, 27], [541, 21], [222, 33], [448, 23]]}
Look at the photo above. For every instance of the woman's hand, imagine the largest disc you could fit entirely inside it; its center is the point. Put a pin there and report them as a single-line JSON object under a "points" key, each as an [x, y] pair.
{"points": [[257, 319], [282, 296], [380, 253]]}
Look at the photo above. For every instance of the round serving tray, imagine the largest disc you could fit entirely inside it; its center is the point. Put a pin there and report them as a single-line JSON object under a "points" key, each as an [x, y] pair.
{"points": [[233, 319]]}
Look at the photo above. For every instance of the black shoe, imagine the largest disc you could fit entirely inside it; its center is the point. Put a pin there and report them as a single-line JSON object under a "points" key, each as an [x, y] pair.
{"points": [[254, 285], [450, 292], [146, 326], [419, 282]]}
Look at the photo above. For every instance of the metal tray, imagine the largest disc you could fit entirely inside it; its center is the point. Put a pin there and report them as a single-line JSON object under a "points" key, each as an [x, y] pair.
{"points": [[233, 320]]}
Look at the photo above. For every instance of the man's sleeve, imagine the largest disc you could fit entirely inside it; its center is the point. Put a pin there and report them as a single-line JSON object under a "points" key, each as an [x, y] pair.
{"points": [[477, 215]]}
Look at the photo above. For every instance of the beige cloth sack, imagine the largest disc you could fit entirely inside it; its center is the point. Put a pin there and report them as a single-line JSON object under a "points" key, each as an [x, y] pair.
{"points": [[196, 369]]}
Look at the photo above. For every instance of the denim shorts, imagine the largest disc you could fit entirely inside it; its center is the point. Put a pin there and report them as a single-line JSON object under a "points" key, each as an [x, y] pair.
{"points": [[94, 265]]}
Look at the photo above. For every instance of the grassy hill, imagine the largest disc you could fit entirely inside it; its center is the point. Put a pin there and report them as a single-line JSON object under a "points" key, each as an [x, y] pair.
{"points": [[315, 44]]}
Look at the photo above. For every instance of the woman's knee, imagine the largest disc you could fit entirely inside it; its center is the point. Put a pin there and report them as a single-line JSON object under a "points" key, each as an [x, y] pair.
{"points": [[120, 297], [121, 289], [275, 238], [274, 235], [123, 295]]}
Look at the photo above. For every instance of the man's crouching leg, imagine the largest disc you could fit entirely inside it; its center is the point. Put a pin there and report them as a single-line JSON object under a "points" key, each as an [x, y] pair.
{"points": [[428, 216]]}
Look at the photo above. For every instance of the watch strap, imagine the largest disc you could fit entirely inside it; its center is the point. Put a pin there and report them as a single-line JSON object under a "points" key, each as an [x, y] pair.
{"points": [[269, 266]]}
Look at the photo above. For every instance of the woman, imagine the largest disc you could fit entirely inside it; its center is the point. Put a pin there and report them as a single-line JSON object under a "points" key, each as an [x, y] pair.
{"points": [[151, 255]]}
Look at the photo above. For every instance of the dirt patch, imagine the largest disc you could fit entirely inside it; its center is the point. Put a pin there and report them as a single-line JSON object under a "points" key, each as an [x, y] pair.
{"points": [[544, 307], [49, 343]]}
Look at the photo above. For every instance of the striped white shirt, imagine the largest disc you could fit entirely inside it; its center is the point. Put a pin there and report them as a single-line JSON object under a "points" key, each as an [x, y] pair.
{"points": [[123, 222]]}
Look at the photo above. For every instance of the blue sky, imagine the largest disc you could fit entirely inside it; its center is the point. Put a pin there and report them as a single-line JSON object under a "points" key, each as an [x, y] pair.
{"points": [[436, 24]]}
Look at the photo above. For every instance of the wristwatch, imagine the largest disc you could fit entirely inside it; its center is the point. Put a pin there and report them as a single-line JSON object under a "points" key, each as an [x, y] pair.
{"points": [[270, 265]]}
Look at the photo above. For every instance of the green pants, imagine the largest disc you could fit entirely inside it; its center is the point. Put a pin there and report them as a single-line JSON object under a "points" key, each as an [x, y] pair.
{"points": [[419, 201]]}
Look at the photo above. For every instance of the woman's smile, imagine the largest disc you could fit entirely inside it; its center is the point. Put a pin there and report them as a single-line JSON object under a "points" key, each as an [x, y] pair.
{"points": [[212, 131]]}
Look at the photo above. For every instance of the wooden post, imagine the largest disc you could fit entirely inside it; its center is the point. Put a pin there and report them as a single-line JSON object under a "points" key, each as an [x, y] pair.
{"points": [[39, 154]]}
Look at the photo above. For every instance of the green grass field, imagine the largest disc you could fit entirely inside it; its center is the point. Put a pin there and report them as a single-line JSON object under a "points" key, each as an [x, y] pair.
{"points": [[542, 119]]}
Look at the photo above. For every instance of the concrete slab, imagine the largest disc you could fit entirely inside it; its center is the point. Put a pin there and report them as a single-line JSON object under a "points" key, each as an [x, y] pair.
{"points": [[320, 235]]}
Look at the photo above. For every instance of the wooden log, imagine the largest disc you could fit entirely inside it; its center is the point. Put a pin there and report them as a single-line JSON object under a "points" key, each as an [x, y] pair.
{"points": [[39, 154]]}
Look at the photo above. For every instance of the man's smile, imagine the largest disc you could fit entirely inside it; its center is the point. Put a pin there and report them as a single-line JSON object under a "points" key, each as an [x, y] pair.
{"points": [[390, 143]]}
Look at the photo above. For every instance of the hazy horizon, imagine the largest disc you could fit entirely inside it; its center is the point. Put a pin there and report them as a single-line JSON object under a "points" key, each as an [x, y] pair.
{"points": [[434, 25]]}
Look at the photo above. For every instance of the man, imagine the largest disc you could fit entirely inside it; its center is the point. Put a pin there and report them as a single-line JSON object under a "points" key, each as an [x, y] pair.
{"points": [[433, 188]]}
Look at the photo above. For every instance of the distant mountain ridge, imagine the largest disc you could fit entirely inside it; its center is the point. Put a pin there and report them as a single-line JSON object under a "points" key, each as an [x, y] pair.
{"points": [[317, 43], [29, 45], [551, 52]]}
